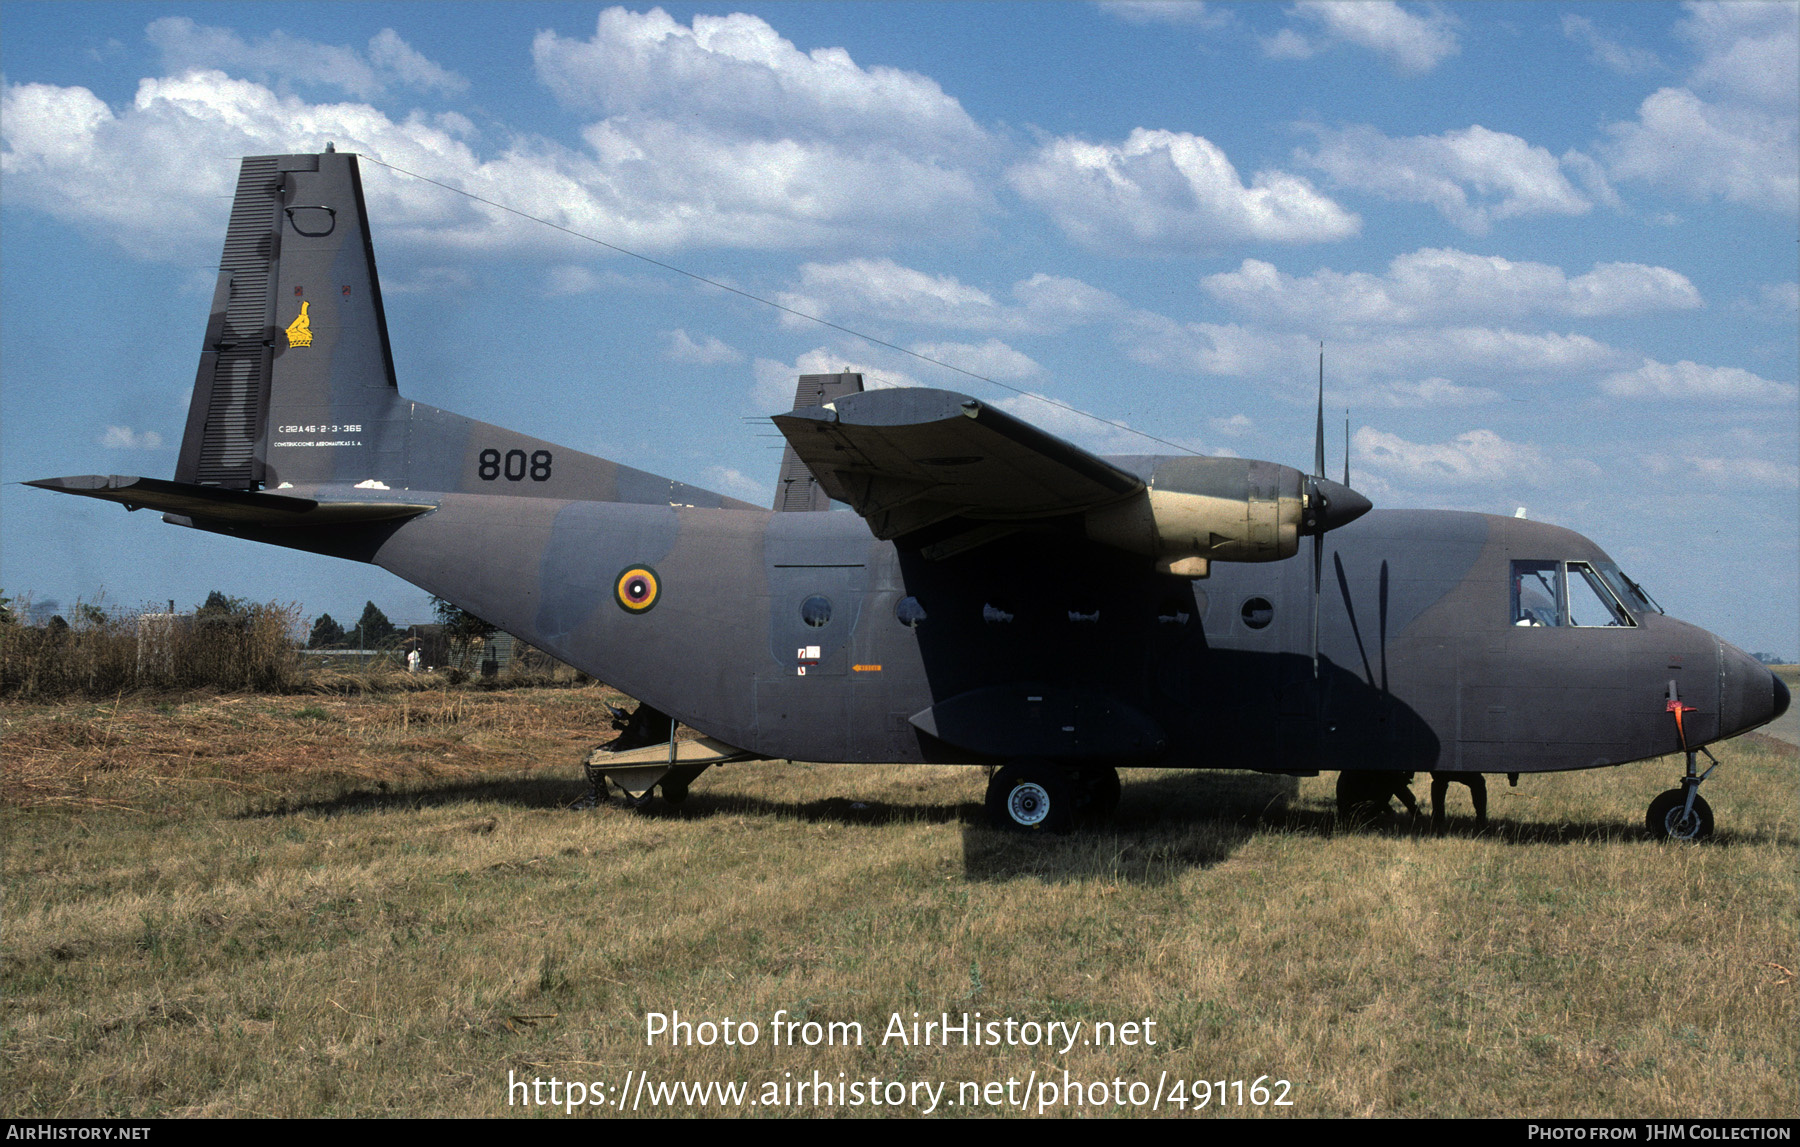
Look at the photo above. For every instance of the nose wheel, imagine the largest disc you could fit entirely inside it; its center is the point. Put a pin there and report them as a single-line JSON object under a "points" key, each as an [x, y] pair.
{"points": [[1683, 814]]}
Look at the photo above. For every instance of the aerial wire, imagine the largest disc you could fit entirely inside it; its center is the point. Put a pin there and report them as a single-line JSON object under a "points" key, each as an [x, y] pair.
{"points": [[785, 309]]}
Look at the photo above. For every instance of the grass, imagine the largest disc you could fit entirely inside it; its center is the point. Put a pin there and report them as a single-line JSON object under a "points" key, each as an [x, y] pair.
{"points": [[380, 903]]}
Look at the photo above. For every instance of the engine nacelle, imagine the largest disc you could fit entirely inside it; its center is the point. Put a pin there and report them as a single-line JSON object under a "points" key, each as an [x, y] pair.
{"points": [[1201, 510]]}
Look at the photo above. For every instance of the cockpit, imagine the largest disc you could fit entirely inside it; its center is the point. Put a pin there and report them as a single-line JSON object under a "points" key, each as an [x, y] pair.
{"points": [[1593, 594]]}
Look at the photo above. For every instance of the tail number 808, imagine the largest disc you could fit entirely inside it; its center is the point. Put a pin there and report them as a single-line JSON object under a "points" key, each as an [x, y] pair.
{"points": [[514, 465]]}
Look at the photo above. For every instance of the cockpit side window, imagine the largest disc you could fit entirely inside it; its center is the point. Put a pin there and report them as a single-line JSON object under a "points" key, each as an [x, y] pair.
{"points": [[1626, 590], [1590, 601], [1537, 595]]}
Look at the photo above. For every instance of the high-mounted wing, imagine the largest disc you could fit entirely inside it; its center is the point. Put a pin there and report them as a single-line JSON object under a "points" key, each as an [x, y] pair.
{"points": [[947, 472], [910, 458]]}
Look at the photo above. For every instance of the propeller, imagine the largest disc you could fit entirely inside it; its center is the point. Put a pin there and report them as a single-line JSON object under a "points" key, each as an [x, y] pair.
{"points": [[1328, 504]]}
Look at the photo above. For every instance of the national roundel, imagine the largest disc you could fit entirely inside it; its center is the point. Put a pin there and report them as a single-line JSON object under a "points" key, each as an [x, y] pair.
{"points": [[637, 589]]}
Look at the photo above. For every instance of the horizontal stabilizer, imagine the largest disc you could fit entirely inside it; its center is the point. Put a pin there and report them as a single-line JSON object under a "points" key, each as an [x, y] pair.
{"points": [[219, 504], [907, 458]]}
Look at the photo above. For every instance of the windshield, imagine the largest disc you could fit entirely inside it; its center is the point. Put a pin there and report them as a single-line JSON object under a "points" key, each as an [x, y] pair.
{"points": [[1630, 592]]}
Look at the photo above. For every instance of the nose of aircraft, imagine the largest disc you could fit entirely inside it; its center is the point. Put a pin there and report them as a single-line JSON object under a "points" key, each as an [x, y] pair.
{"points": [[1749, 694], [1342, 504]]}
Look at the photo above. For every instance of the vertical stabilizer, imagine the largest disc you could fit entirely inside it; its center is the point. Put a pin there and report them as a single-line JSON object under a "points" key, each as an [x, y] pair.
{"points": [[797, 489], [296, 381]]}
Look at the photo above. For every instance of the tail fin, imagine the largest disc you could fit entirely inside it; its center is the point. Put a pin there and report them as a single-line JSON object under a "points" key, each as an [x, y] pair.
{"points": [[296, 383], [296, 355], [797, 489]]}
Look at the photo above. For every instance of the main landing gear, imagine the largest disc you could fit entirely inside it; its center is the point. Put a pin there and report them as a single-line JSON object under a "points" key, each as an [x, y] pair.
{"points": [[1044, 796], [1683, 814], [1363, 796]]}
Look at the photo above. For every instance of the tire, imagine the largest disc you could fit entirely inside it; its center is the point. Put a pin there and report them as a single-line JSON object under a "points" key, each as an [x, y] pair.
{"points": [[1363, 799], [1667, 822], [1032, 797]]}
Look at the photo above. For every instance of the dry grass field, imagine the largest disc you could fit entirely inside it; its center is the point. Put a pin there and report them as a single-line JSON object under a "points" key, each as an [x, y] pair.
{"points": [[384, 905]]}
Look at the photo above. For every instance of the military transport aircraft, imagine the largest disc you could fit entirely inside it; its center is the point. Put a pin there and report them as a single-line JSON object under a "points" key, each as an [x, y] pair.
{"points": [[1000, 596]]}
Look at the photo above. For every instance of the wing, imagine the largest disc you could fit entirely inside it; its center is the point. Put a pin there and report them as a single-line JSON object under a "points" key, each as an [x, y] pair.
{"points": [[910, 458]]}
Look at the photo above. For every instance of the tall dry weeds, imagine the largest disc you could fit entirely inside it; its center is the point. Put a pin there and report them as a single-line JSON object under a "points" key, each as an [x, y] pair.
{"points": [[102, 653]]}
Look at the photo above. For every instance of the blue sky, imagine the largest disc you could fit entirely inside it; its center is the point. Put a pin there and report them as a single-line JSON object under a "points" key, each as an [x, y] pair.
{"points": [[1551, 248]]}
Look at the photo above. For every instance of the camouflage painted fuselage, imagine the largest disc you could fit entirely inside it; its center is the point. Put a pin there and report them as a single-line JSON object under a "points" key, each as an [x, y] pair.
{"points": [[1420, 666]]}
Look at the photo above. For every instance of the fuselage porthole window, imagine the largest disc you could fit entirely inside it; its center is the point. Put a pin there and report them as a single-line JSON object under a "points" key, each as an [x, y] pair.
{"points": [[816, 611], [1257, 612], [908, 612]]}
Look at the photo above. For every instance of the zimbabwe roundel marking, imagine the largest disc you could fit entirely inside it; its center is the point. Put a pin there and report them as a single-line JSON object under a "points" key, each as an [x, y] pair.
{"points": [[637, 589]]}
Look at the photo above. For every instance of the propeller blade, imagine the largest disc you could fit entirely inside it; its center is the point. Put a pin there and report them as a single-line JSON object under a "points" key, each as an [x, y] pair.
{"points": [[1318, 548]]}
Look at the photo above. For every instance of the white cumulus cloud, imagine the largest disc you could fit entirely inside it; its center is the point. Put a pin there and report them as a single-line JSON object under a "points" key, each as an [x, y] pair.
{"points": [[1412, 40], [1443, 284], [1732, 131], [1493, 353], [1690, 380], [1621, 58], [1471, 457], [1739, 474], [775, 381], [125, 438], [884, 290], [279, 56], [1473, 176], [1162, 191], [768, 149], [991, 359], [710, 351]]}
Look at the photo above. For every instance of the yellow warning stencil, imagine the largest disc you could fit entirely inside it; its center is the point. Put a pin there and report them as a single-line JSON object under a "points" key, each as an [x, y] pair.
{"points": [[299, 332]]}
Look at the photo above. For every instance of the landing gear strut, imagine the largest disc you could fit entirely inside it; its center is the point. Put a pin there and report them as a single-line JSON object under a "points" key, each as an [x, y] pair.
{"points": [[1683, 814]]}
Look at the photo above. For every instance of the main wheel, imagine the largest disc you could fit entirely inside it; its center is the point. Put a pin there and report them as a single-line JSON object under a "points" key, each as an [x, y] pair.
{"points": [[1669, 819], [1362, 799], [1031, 796]]}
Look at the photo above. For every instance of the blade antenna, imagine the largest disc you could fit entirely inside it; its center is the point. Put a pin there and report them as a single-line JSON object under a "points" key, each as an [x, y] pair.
{"points": [[1346, 445], [1319, 437]]}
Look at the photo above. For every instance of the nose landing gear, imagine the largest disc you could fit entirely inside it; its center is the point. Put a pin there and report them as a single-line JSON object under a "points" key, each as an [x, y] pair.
{"points": [[1683, 814]]}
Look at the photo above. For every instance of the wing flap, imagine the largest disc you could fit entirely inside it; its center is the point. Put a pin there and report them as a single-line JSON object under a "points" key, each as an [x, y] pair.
{"points": [[911, 457]]}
